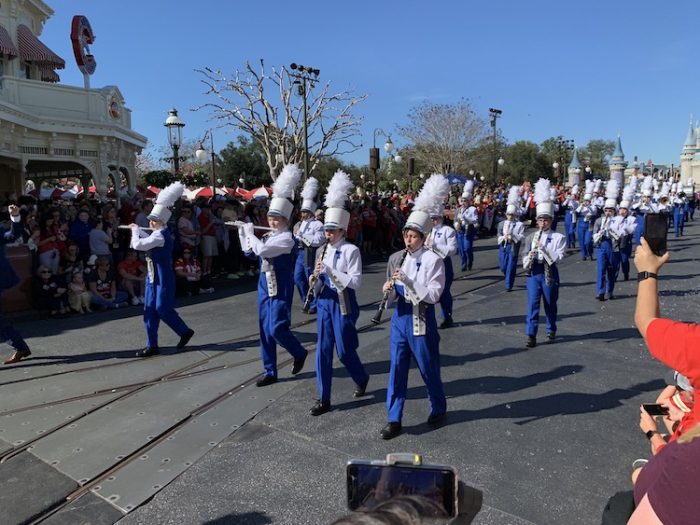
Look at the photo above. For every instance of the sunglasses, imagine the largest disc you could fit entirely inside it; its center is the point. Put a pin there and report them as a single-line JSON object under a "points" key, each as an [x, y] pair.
{"points": [[45, 271]]}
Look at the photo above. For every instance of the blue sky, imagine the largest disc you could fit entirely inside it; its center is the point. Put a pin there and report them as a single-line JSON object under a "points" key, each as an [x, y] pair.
{"points": [[582, 70]]}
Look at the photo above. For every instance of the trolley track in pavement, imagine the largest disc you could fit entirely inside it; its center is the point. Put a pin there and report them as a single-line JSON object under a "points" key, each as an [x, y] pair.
{"points": [[179, 374]]}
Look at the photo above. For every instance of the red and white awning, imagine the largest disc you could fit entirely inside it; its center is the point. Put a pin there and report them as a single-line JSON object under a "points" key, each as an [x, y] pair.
{"points": [[7, 47], [203, 192], [32, 49]]}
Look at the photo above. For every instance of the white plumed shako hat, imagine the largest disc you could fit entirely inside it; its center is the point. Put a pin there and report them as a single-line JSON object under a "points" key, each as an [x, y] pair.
{"points": [[166, 198], [543, 198], [432, 195], [336, 216], [283, 191], [308, 195]]}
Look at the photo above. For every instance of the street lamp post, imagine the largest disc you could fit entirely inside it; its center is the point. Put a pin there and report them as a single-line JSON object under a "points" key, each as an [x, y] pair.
{"points": [[174, 125], [494, 115], [304, 78], [374, 152], [201, 155], [563, 147]]}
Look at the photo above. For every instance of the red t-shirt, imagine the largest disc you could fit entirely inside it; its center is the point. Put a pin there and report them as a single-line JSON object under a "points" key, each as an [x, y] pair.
{"points": [[130, 267], [204, 221]]}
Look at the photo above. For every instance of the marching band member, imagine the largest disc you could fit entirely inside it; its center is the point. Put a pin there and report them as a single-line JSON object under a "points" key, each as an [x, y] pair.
{"points": [[554, 196], [606, 240], [8, 279], [546, 248], [415, 280], [644, 206], [678, 201], [570, 205], [309, 236], [466, 222], [586, 213], [443, 241], [159, 301], [626, 225], [338, 274], [276, 282], [510, 234]]}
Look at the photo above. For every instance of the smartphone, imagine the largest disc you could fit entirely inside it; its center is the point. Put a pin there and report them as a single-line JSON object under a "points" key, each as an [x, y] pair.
{"points": [[655, 231], [655, 410], [370, 483]]}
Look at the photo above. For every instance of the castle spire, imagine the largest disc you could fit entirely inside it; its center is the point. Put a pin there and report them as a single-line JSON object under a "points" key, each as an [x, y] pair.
{"points": [[618, 153], [575, 163], [691, 139]]}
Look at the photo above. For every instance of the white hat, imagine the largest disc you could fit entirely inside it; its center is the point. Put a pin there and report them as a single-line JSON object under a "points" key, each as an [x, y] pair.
{"points": [[468, 189], [92, 260], [586, 196], [308, 194], [282, 192], [646, 193], [336, 216], [166, 198], [510, 209], [432, 195], [543, 198], [610, 203], [625, 204]]}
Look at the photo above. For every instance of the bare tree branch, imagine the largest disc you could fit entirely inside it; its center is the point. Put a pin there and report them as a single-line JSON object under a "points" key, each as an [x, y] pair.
{"points": [[277, 123]]}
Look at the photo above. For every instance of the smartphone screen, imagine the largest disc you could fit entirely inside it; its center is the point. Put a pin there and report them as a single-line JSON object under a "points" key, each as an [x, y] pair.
{"points": [[369, 485], [655, 410], [655, 231]]}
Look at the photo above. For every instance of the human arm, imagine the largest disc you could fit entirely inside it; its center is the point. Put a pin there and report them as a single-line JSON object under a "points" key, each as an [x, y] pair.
{"points": [[351, 275], [555, 250], [154, 240], [429, 282], [274, 246], [647, 305]]}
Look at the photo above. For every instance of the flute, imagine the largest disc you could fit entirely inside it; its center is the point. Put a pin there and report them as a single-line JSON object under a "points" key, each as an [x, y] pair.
{"points": [[238, 224], [126, 227], [385, 299]]}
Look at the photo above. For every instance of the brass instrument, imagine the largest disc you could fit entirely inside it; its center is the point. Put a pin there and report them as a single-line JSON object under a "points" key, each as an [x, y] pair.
{"points": [[663, 200], [312, 281], [385, 299]]}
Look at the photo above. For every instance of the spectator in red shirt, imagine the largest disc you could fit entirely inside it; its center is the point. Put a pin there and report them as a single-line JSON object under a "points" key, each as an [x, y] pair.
{"points": [[132, 276], [188, 275]]}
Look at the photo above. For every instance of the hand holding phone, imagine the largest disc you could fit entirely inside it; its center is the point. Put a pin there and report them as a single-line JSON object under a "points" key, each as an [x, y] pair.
{"points": [[656, 231], [654, 409]]}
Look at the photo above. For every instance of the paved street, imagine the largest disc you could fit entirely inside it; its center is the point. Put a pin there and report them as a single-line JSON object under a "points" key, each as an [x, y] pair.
{"points": [[547, 434]]}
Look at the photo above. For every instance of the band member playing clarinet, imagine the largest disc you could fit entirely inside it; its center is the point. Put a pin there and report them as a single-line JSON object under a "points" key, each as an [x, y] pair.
{"points": [[339, 271], [159, 300], [545, 249], [510, 235], [606, 239], [466, 223], [416, 285], [276, 283]]}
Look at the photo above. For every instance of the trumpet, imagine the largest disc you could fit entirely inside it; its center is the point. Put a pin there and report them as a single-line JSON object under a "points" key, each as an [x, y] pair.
{"points": [[385, 298], [663, 200], [312, 282], [239, 224]]}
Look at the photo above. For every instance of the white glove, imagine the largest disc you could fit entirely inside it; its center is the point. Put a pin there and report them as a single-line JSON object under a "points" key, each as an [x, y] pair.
{"points": [[248, 228]]}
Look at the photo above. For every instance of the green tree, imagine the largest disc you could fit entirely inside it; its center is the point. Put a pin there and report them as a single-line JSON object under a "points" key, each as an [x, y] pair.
{"points": [[243, 158], [597, 152], [524, 160]]}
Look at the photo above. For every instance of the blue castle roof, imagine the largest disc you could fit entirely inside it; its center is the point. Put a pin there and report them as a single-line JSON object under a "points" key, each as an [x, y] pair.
{"points": [[575, 163], [691, 139], [618, 154]]}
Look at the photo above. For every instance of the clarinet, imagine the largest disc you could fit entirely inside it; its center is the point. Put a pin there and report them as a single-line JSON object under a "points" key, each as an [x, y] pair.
{"points": [[312, 283], [533, 249], [385, 299]]}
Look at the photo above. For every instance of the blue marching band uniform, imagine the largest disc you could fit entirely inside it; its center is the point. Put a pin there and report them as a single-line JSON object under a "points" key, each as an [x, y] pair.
{"points": [[443, 241], [586, 213], [679, 213], [466, 222], [626, 225], [309, 236], [606, 238], [8, 279], [570, 204], [510, 235], [159, 297], [545, 249], [640, 210]]}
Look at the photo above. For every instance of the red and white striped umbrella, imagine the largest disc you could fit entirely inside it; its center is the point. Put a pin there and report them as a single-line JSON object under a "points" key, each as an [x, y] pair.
{"points": [[203, 192]]}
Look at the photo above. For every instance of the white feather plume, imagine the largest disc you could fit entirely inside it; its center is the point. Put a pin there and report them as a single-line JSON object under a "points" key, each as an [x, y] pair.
{"points": [[542, 191], [574, 190], [628, 193], [597, 185], [634, 180], [468, 188], [647, 183], [513, 196], [433, 193], [665, 188], [589, 186], [310, 189], [612, 190], [171, 194], [338, 189], [284, 186]]}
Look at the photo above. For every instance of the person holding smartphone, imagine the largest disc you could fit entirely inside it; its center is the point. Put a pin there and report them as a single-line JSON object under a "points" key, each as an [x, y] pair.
{"points": [[666, 488]]}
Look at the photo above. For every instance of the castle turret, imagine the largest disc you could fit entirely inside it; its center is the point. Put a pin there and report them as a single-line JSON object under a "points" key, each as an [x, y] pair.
{"points": [[618, 163], [574, 170], [690, 149]]}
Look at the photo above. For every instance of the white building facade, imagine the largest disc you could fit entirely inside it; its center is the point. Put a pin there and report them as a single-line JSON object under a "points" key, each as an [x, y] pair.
{"points": [[49, 130]]}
